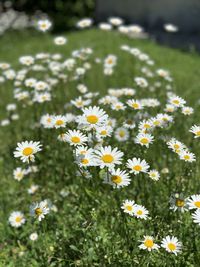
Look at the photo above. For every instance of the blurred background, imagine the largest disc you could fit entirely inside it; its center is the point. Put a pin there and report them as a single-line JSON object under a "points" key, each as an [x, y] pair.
{"points": [[150, 14], [63, 13]]}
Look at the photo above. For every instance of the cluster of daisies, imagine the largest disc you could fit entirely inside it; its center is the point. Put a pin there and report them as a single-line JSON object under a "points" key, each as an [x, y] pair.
{"points": [[117, 23], [93, 127]]}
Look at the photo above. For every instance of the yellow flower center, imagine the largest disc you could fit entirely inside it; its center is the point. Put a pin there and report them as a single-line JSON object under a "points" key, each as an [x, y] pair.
{"points": [[198, 133], [148, 243], [171, 246], [121, 133], [59, 122], [137, 168], [92, 119], [107, 158], [180, 202], [110, 61], [118, 106], [116, 179], [18, 219], [176, 146], [197, 204], [19, 175], [135, 105], [79, 103], [144, 141], [186, 157], [27, 151], [147, 126], [129, 207], [104, 132], [43, 26], [75, 139], [85, 161], [139, 212], [38, 211], [176, 102], [49, 120], [156, 123]]}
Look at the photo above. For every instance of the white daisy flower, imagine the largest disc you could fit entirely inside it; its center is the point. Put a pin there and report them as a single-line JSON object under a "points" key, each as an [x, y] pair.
{"points": [[105, 26], [144, 139], [128, 206], [84, 23], [115, 21], [140, 212], [177, 101], [196, 216], [82, 88], [171, 244], [42, 97], [41, 86], [33, 236], [175, 145], [104, 131], [195, 130], [178, 202], [123, 29], [121, 134], [16, 219], [93, 117], [110, 61], [187, 110], [108, 71], [154, 175], [136, 165], [129, 124], [156, 122], [44, 25], [19, 173], [145, 125], [136, 29], [86, 160], [118, 106], [193, 202], [60, 40], [170, 108], [4, 65], [47, 121], [30, 82], [26, 60], [84, 150], [32, 189], [119, 178], [135, 104], [59, 121], [26, 150], [187, 156], [108, 157], [80, 102], [162, 73], [170, 27], [148, 244], [75, 138], [39, 210], [141, 82]]}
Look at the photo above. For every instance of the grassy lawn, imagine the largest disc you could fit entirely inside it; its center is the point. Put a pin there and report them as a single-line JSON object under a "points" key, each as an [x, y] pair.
{"points": [[89, 227]]}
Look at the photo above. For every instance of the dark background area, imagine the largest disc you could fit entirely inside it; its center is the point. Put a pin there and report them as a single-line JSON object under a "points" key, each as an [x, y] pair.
{"points": [[151, 14], [63, 13]]}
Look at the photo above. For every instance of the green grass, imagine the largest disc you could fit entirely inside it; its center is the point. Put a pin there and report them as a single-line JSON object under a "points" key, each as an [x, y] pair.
{"points": [[89, 228]]}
